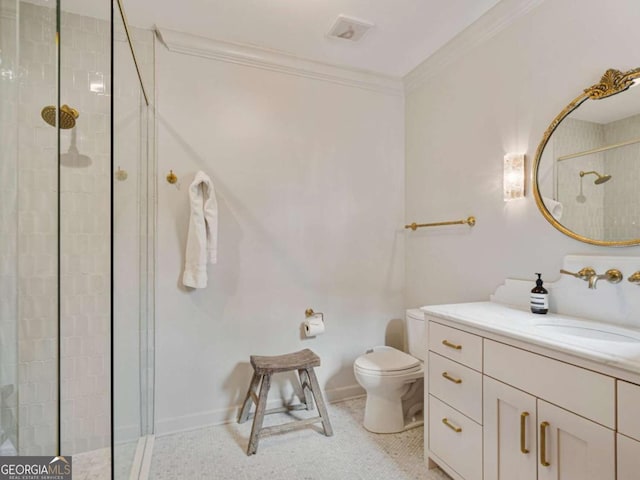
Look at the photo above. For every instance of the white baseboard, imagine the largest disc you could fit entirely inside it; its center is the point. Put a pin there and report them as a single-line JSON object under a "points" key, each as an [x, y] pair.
{"points": [[221, 416], [344, 393]]}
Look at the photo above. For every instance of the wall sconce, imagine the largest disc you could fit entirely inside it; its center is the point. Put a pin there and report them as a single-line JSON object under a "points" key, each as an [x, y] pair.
{"points": [[513, 176]]}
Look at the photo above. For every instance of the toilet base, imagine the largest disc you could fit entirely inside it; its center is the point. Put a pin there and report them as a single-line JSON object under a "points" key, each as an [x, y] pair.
{"points": [[389, 413]]}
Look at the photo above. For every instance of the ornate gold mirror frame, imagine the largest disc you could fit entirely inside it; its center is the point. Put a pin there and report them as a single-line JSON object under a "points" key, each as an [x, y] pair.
{"points": [[611, 83]]}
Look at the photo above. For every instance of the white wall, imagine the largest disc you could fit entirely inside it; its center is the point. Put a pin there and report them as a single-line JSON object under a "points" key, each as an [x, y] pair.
{"points": [[309, 178], [498, 98]]}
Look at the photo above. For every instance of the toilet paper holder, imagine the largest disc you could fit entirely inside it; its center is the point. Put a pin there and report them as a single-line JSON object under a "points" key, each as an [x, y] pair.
{"points": [[314, 324], [310, 313]]}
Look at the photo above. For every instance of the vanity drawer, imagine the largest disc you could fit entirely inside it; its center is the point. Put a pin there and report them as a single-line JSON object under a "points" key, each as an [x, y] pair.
{"points": [[589, 394], [461, 450], [457, 345], [456, 385], [628, 405]]}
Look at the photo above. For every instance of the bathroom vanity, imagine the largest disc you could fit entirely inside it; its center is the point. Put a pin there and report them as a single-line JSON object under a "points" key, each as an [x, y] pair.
{"points": [[516, 396]]}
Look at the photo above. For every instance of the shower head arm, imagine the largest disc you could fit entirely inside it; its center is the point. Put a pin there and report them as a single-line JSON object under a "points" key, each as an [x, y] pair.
{"points": [[601, 178]]}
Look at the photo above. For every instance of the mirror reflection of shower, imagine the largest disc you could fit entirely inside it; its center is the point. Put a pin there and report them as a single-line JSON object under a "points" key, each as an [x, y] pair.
{"points": [[598, 181]]}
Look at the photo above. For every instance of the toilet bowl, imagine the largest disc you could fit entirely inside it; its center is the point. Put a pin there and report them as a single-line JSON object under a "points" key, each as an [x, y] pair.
{"points": [[394, 381]]}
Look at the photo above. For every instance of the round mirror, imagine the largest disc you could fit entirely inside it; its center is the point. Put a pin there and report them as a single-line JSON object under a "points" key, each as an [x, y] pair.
{"points": [[587, 166]]}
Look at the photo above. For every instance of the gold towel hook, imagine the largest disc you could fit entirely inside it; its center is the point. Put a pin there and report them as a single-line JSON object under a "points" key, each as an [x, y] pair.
{"points": [[171, 177], [121, 175]]}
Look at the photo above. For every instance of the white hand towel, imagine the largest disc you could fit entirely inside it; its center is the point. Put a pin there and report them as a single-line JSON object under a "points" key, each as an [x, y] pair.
{"points": [[554, 207], [202, 240]]}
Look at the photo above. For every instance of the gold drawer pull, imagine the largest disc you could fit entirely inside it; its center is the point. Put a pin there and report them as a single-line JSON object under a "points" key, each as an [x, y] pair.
{"points": [[543, 444], [451, 426], [451, 379], [447, 343], [523, 432]]}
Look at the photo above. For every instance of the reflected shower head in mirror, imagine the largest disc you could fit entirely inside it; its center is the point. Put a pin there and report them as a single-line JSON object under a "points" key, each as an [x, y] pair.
{"points": [[68, 116], [598, 181]]}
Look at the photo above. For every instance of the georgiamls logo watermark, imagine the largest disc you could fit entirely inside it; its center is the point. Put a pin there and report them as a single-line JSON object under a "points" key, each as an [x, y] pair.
{"points": [[35, 468]]}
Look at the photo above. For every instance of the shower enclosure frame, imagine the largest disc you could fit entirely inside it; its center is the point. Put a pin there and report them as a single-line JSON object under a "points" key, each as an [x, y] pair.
{"points": [[45, 51]]}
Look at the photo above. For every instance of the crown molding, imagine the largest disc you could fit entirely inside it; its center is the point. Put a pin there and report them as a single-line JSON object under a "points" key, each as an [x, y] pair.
{"points": [[499, 17], [277, 61]]}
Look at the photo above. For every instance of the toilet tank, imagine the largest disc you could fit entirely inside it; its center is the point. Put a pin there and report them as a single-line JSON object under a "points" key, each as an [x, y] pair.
{"points": [[416, 333]]}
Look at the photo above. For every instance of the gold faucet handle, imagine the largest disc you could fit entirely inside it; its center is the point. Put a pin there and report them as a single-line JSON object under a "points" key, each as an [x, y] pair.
{"points": [[613, 275], [635, 278], [584, 274]]}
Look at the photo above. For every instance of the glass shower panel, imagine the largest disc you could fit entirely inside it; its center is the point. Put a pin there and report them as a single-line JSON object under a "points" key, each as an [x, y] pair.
{"points": [[28, 228], [9, 73], [85, 231], [133, 224]]}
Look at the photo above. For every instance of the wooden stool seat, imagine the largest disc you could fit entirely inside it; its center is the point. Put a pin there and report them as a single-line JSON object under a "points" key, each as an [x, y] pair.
{"points": [[284, 363], [263, 367]]}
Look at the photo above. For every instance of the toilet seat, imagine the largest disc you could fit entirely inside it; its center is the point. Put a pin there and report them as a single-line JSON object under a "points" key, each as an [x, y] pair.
{"points": [[387, 361]]}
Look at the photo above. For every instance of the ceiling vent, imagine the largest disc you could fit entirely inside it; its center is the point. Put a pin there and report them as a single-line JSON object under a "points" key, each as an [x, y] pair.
{"points": [[346, 28]]}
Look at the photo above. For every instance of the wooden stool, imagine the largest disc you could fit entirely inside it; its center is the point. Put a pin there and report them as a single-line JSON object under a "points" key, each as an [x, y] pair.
{"points": [[263, 367]]}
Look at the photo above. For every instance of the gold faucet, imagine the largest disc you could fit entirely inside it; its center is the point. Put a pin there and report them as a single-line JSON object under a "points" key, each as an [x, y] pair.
{"points": [[584, 274], [613, 275]]}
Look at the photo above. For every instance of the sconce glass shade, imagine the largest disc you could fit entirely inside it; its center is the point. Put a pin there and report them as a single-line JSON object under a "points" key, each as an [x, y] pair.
{"points": [[513, 176]]}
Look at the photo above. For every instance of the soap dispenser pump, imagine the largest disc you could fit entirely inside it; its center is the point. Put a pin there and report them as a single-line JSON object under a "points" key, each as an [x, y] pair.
{"points": [[539, 297]]}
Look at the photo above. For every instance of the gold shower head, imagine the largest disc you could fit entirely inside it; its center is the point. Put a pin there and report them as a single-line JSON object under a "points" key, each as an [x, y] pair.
{"points": [[68, 116], [598, 181]]}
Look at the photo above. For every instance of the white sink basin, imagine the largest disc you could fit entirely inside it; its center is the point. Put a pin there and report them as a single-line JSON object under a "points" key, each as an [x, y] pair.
{"points": [[590, 333]]}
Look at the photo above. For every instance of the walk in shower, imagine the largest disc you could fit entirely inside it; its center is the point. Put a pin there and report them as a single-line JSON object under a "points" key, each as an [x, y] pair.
{"points": [[77, 181]]}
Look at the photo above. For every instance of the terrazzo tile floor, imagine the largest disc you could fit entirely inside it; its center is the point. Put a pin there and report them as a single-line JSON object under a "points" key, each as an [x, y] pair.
{"points": [[219, 453], [96, 464]]}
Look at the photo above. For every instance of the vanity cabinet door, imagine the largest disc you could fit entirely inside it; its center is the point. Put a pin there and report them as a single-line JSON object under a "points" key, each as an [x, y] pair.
{"points": [[573, 448], [509, 432], [628, 458]]}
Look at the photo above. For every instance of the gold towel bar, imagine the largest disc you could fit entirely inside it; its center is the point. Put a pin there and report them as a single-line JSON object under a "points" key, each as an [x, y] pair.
{"points": [[471, 221]]}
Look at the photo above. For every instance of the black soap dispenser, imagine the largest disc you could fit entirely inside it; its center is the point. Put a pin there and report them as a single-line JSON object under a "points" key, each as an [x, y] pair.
{"points": [[539, 297]]}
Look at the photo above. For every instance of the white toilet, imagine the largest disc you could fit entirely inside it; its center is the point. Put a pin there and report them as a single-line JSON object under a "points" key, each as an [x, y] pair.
{"points": [[394, 381]]}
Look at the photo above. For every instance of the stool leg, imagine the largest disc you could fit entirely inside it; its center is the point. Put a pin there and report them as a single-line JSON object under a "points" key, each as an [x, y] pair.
{"points": [[259, 416], [322, 409], [306, 391], [246, 406]]}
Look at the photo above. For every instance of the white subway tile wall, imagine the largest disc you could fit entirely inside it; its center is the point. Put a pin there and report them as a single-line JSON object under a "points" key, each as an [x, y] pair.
{"points": [[622, 219]]}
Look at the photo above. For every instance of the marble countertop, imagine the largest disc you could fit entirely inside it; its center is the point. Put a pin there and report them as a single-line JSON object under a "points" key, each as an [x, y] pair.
{"points": [[606, 343]]}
